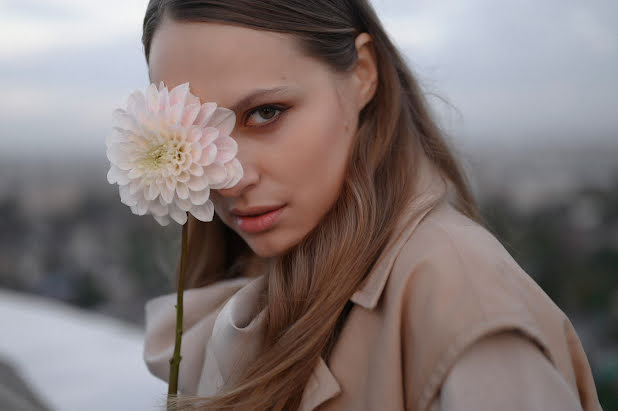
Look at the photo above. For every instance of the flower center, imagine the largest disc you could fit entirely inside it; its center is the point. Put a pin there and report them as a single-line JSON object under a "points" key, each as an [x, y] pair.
{"points": [[160, 155]]}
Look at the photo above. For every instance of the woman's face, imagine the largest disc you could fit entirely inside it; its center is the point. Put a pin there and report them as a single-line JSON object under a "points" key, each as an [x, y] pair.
{"points": [[295, 124]]}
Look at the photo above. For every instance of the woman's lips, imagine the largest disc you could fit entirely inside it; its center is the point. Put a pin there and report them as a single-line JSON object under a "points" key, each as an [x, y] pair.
{"points": [[252, 224]]}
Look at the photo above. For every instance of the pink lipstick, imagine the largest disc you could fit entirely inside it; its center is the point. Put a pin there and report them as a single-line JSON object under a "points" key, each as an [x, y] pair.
{"points": [[256, 220]]}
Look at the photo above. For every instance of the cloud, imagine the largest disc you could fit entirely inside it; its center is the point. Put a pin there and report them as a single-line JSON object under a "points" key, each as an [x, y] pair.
{"points": [[30, 27]]}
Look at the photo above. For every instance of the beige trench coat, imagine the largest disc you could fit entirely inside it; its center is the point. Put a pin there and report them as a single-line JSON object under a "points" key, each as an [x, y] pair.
{"points": [[442, 284]]}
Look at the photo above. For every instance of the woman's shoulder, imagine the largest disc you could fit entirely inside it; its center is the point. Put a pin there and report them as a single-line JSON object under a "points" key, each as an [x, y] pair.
{"points": [[450, 257], [452, 284], [446, 232]]}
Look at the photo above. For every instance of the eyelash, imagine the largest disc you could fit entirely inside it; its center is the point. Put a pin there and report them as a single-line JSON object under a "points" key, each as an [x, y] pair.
{"points": [[280, 109]]}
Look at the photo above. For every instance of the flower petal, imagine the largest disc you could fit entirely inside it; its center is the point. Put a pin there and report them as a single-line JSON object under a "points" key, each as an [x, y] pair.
{"points": [[196, 152], [135, 186], [184, 205], [152, 191], [206, 112], [223, 119], [196, 170], [208, 155], [119, 158], [183, 177], [182, 190], [126, 197], [158, 209], [234, 172], [178, 94], [152, 98], [136, 103], [200, 197], [164, 98], [204, 212], [198, 183], [174, 114], [209, 134], [177, 214], [190, 114], [167, 194], [194, 134], [122, 119], [192, 99], [116, 175], [226, 149], [170, 183], [163, 220], [136, 172], [216, 174], [142, 206]]}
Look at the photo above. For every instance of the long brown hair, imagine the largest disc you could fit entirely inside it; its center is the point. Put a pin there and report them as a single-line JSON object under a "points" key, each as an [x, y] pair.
{"points": [[308, 288]]}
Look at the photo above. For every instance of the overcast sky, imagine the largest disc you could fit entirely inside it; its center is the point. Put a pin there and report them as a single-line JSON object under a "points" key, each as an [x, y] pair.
{"points": [[514, 70]]}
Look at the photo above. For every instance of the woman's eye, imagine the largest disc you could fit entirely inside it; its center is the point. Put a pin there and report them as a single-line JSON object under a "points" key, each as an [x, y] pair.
{"points": [[263, 115]]}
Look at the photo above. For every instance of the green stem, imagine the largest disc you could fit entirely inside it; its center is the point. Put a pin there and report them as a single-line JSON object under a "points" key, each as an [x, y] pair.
{"points": [[175, 360]]}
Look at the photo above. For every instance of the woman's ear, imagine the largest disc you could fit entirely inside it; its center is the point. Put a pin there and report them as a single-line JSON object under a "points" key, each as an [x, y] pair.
{"points": [[366, 71]]}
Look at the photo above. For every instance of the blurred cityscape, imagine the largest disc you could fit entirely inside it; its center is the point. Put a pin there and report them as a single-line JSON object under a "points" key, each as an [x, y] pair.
{"points": [[64, 234]]}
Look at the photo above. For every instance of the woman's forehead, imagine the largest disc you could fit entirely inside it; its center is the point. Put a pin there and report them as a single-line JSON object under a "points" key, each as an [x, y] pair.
{"points": [[213, 57]]}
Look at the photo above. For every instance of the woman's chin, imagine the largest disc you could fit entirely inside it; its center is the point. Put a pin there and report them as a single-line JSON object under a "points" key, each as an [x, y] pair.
{"points": [[267, 246], [266, 251]]}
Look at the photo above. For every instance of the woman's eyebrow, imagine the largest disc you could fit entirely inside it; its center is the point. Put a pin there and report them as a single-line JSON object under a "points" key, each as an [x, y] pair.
{"points": [[250, 99]]}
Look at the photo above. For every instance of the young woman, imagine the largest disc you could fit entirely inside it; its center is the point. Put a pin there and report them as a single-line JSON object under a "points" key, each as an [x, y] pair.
{"points": [[349, 268]]}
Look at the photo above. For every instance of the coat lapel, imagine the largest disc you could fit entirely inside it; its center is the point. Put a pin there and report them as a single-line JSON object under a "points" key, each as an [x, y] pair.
{"points": [[235, 340], [322, 386], [234, 343]]}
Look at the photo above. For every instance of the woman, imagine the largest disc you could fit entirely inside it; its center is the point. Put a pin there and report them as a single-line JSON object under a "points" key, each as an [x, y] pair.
{"points": [[337, 275]]}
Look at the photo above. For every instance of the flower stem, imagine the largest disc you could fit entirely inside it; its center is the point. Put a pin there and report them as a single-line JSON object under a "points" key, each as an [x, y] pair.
{"points": [[175, 360]]}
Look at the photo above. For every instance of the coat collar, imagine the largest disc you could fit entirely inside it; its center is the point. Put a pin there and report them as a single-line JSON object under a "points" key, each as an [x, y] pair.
{"points": [[322, 386], [234, 343], [430, 190]]}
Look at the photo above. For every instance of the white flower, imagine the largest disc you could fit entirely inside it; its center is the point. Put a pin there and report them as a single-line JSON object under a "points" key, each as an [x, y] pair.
{"points": [[167, 151]]}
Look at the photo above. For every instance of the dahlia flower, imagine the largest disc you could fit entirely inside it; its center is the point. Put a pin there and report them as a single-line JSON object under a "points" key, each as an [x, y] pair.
{"points": [[166, 151]]}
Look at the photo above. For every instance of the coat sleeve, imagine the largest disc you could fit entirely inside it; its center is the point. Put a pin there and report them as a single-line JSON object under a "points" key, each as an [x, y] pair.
{"points": [[504, 371], [200, 309]]}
